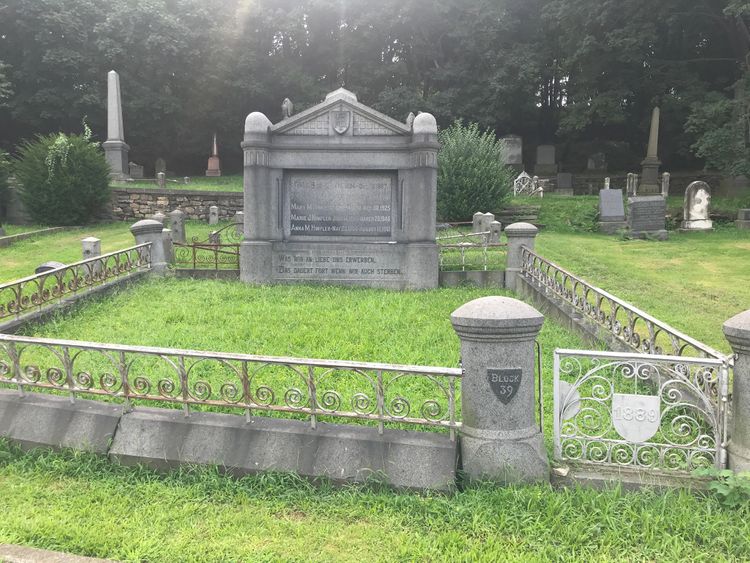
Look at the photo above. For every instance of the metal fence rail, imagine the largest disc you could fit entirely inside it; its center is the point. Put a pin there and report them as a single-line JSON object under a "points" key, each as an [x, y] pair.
{"points": [[471, 251], [33, 293], [382, 393], [221, 251], [627, 323], [640, 411]]}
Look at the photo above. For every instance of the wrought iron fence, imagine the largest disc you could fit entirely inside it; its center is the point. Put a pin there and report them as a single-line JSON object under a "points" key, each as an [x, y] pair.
{"points": [[33, 293], [221, 251], [471, 251], [640, 411], [380, 393], [627, 323]]}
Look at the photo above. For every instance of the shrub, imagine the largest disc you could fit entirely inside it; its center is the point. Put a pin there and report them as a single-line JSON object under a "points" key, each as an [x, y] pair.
{"points": [[471, 173], [64, 179]]}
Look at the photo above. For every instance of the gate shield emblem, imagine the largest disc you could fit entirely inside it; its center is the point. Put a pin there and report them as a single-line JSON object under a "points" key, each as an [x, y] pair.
{"points": [[636, 417], [341, 121], [504, 383]]}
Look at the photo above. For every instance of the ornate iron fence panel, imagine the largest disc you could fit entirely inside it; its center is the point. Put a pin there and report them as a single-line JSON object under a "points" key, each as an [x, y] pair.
{"points": [[380, 393], [33, 293], [221, 251], [627, 323], [639, 411], [471, 251]]}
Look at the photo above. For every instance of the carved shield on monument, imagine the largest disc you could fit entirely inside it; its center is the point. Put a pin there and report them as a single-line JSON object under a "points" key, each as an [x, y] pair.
{"points": [[504, 383], [341, 121], [636, 417]]}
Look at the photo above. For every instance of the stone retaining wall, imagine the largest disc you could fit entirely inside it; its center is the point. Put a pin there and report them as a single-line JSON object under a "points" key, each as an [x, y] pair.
{"points": [[134, 204]]}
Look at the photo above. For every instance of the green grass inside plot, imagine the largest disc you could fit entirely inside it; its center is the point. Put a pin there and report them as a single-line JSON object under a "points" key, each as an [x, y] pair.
{"points": [[220, 184]]}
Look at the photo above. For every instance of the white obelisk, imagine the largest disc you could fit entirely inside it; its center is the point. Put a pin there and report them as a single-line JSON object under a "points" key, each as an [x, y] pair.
{"points": [[115, 148]]}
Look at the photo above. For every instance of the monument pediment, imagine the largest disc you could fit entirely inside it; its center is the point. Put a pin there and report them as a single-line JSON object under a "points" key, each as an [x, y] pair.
{"points": [[340, 114]]}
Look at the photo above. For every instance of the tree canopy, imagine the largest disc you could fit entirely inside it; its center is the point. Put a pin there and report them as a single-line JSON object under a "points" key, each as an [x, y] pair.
{"points": [[583, 74]]}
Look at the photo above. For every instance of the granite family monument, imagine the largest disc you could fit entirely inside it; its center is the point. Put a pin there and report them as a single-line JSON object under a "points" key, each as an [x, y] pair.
{"points": [[340, 193]]}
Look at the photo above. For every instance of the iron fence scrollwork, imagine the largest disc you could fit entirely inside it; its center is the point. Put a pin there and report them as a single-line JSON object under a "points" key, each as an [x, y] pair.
{"points": [[221, 251]]}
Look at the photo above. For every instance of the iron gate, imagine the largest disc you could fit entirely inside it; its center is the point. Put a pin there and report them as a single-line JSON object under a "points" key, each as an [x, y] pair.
{"points": [[643, 411]]}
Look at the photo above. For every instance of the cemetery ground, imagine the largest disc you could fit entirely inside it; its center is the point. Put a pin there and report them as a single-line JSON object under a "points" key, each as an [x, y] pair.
{"points": [[89, 506], [230, 183]]}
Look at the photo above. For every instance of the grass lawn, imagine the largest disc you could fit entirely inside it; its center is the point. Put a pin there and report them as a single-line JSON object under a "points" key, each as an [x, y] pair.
{"points": [[18, 229], [21, 258], [221, 184], [86, 505]]}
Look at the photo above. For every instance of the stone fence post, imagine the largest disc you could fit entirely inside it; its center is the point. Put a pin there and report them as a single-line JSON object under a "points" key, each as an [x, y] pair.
{"points": [[149, 230], [500, 439], [737, 331], [519, 234], [91, 247]]}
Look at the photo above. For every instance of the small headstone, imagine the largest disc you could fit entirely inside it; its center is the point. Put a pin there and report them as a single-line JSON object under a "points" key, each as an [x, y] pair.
{"points": [[2, 231], [239, 222], [743, 219], [177, 226], [546, 165], [695, 208], [606, 183], [665, 184], [136, 171], [476, 222], [487, 220], [647, 216], [495, 229], [47, 266], [513, 151], [213, 215], [161, 179], [91, 247], [160, 166], [597, 162], [611, 211], [564, 183], [159, 216], [186, 180]]}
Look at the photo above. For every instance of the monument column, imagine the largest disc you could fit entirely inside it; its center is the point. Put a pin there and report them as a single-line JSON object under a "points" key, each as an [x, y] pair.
{"points": [[420, 204], [650, 166], [500, 439], [737, 331], [115, 148], [256, 248]]}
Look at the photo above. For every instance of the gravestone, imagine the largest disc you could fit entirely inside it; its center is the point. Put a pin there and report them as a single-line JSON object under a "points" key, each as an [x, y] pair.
{"points": [[159, 216], [340, 193], [213, 215], [597, 162], [486, 221], [564, 184], [48, 266], [214, 166], [695, 208], [160, 166], [513, 152], [743, 219], [161, 179], [2, 231], [546, 165], [177, 226], [115, 147], [647, 216], [136, 171], [476, 222], [611, 211]]}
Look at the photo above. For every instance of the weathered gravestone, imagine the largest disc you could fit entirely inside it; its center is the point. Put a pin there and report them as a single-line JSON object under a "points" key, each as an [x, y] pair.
{"points": [[564, 184], [695, 208], [340, 193], [136, 171], [513, 152], [546, 165], [213, 215], [743, 219], [160, 166], [611, 211], [647, 216]]}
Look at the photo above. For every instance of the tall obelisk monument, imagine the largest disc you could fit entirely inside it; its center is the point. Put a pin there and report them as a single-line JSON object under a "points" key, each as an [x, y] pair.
{"points": [[650, 166], [115, 148]]}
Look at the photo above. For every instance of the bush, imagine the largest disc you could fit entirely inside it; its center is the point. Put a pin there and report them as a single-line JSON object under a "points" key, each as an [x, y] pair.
{"points": [[471, 173], [64, 179]]}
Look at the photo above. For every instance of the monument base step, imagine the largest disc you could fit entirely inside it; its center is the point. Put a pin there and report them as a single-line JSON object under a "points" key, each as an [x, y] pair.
{"points": [[612, 227]]}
